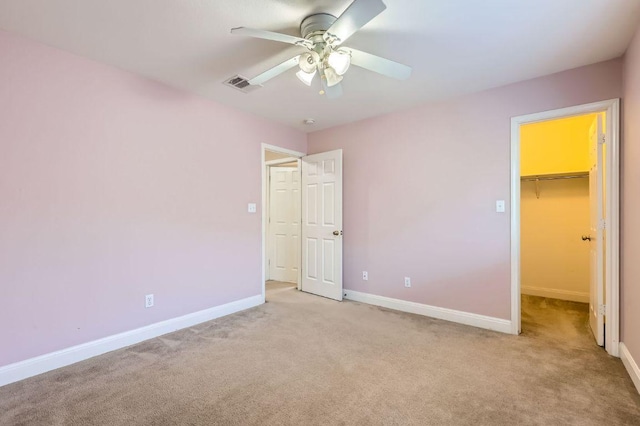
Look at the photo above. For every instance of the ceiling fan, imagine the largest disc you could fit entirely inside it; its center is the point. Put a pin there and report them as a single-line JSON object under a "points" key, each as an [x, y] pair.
{"points": [[323, 35]]}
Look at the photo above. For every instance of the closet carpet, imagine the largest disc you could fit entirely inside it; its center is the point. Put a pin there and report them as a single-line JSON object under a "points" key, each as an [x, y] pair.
{"points": [[305, 360]]}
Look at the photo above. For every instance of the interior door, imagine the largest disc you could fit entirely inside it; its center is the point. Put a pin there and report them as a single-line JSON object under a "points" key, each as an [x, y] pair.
{"points": [[284, 222], [596, 251], [322, 224]]}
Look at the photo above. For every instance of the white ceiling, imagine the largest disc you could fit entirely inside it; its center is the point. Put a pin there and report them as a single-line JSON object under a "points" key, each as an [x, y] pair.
{"points": [[454, 46]]}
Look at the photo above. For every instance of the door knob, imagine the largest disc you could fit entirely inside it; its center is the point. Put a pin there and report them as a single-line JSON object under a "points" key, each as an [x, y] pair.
{"points": [[336, 233], [586, 237]]}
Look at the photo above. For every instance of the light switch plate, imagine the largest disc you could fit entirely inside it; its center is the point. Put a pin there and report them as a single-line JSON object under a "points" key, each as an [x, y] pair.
{"points": [[500, 207], [251, 207]]}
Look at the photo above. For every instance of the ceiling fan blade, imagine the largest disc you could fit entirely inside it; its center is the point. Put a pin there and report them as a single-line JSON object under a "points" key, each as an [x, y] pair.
{"points": [[380, 65], [270, 35], [275, 71], [332, 92], [357, 15]]}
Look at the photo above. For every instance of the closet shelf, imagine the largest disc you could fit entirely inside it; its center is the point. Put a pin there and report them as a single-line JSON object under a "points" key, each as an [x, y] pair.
{"points": [[554, 176]]}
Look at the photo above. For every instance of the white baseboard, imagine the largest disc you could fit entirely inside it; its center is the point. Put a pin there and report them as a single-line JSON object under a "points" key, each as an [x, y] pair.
{"points": [[475, 320], [574, 296], [43, 363], [630, 365]]}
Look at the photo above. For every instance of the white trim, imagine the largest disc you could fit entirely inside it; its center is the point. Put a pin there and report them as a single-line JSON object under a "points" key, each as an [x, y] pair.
{"points": [[612, 239], [43, 363], [297, 155], [554, 293], [300, 230], [631, 365], [612, 212], [267, 209], [466, 318], [516, 320], [281, 161], [280, 150]]}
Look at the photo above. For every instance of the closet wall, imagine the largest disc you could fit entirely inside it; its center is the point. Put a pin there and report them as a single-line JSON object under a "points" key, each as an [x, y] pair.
{"points": [[555, 214]]}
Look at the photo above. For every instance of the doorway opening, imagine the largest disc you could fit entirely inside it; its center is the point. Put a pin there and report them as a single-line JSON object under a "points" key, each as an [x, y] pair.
{"points": [[556, 197], [302, 220], [281, 219], [564, 218]]}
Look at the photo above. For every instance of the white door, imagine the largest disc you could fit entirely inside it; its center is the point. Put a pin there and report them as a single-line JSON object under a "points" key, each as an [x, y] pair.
{"points": [[322, 224], [596, 252], [284, 223]]}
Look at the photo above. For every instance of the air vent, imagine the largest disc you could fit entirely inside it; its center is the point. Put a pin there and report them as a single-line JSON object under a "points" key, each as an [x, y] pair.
{"points": [[240, 83]]}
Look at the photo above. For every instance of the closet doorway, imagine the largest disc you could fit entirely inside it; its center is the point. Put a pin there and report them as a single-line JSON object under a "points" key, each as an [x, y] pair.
{"points": [[564, 216]]}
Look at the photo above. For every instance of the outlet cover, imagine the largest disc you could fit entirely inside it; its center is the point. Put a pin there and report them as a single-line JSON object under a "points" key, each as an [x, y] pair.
{"points": [[365, 276], [148, 301], [407, 282]]}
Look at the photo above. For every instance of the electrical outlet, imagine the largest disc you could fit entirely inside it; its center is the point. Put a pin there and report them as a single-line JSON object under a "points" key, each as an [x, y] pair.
{"points": [[365, 276], [148, 301], [407, 282]]}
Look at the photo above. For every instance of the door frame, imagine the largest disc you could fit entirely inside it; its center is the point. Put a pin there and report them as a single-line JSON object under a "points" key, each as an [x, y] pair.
{"points": [[612, 212], [264, 165]]}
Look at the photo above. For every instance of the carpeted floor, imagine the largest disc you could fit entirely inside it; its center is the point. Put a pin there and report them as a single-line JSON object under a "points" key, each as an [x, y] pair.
{"points": [[304, 360]]}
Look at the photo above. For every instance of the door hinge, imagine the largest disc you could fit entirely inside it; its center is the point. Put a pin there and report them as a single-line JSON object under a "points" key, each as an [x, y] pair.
{"points": [[603, 224], [602, 310]]}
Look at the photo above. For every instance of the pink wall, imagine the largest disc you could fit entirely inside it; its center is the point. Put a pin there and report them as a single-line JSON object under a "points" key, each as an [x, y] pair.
{"points": [[420, 188], [630, 268], [112, 187]]}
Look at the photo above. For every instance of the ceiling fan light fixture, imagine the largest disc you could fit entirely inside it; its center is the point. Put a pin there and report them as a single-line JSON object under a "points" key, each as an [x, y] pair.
{"points": [[322, 37], [306, 77], [308, 62], [339, 60], [331, 76]]}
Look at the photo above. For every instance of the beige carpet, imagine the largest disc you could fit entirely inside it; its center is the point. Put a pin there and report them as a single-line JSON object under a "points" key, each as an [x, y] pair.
{"points": [[303, 360]]}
